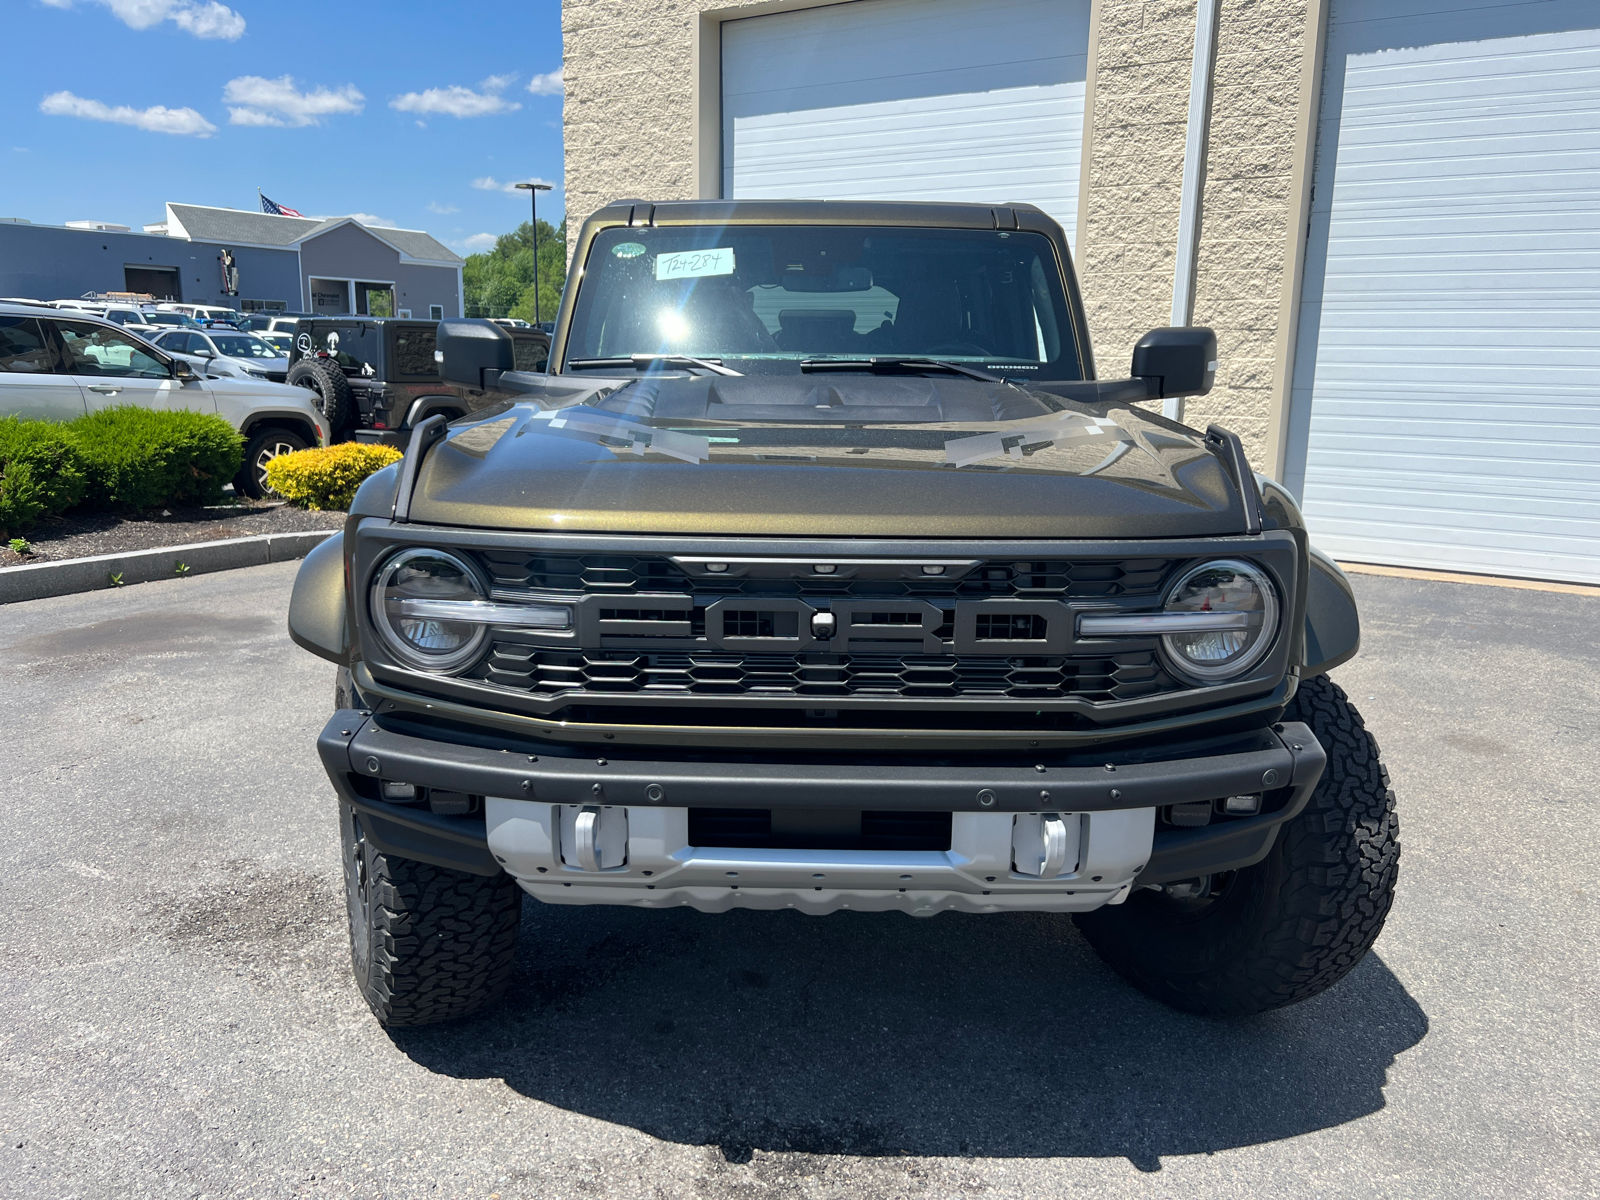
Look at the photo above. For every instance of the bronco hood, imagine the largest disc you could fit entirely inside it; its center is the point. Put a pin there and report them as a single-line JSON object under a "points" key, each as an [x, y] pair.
{"points": [[837, 456]]}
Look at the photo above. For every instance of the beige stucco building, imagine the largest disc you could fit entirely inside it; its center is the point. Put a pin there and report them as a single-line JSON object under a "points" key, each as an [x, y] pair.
{"points": [[1368, 199]]}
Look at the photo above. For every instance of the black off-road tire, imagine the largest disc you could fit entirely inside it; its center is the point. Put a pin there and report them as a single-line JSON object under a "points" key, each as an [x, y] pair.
{"points": [[336, 401], [427, 944], [1295, 923], [264, 446]]}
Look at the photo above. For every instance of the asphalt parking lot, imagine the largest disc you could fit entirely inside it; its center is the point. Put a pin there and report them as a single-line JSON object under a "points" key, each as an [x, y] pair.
{"points": [[176, 1017]]}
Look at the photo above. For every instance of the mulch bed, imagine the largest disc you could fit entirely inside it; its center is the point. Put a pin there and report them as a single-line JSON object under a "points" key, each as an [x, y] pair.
{"points": [[88, 534]]}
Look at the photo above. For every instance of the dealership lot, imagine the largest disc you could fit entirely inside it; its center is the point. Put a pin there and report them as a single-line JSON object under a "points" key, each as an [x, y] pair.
{"points": [[176, 1016]]}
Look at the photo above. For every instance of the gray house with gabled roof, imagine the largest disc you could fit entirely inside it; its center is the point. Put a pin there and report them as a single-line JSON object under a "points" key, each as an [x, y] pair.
{"points": [[294, 264], [344, 266]]}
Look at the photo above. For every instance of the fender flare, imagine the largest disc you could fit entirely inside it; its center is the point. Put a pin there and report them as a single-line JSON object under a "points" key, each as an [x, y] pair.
{"points": [[1333, 626], [424, 407], [317, 603]]}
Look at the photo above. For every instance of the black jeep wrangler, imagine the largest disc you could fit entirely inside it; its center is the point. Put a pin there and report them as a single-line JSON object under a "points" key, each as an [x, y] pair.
{"points": [[378, 376], [824, 572]]}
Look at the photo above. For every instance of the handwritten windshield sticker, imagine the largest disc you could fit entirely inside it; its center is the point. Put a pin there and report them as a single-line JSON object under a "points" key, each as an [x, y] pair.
{"points": [[628, 249], [695, 264]]}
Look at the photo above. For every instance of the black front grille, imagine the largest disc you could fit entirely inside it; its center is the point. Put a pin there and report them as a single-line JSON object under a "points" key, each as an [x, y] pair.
{"points": [[623, 574], [812, 829], [817, 677]]}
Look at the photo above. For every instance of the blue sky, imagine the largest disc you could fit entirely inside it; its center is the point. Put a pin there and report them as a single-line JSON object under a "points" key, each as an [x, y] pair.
{"points": [[416, 114]]}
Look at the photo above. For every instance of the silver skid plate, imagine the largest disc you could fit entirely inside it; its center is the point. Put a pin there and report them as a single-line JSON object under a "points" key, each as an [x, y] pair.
{"points": [[977, 874]]}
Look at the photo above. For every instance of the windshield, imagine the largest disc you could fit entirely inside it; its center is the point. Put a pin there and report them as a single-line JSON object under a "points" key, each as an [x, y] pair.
{"points": [[242, 345], [166, 319], [763, 298]]}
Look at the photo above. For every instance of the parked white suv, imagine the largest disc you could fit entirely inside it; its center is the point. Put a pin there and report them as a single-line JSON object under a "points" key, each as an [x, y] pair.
{"points": [[226, 352], [57, 365]]}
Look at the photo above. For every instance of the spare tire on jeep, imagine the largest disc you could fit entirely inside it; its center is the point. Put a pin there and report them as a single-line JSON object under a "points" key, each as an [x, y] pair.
{"points": [[335, 400]]}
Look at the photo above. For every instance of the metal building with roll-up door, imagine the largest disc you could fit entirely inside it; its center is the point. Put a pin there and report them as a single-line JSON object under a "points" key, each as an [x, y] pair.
{"points": [[1392, 210]]}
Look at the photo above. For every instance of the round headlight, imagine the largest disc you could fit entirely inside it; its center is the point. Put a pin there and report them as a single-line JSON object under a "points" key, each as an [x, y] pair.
{"points": [[425, 641], [1247, 605]]}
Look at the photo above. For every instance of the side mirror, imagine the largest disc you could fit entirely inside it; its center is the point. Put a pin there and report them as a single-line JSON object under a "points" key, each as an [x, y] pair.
{"points": [[1177, 360], [466, 349], [182, 371]]}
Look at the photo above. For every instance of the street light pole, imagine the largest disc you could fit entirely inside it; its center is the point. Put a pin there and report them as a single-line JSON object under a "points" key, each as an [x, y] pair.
{"points": [[533, 190]]}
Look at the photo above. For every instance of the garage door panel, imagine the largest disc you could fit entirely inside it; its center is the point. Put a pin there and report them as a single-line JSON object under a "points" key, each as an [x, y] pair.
{"points": [[894, 50], [1445, 339], [1482, 188], [1426, 507], [1431, 461], [1567, 560], [1499, 543], [1375, 25], [870, 153], [1504, 537], [1512, 380], [1450, 324], [1463, 426], [1473, 419], [966, 100], [1460, 495]]}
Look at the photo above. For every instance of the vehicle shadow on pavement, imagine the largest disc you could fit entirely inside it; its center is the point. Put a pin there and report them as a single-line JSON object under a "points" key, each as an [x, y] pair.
{"points": [[879, 1035]]}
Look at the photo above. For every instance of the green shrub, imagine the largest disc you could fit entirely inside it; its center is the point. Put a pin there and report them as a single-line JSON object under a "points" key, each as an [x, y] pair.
{"points": [[138, 458], [41, 472], [327, 478]]}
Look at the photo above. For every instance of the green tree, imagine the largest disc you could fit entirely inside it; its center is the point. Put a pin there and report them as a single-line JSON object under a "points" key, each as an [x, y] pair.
{"points": [[499, 282]]}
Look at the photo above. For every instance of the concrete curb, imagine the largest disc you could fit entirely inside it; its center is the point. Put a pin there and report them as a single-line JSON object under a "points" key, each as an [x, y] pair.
{"points": [[35, 581]]}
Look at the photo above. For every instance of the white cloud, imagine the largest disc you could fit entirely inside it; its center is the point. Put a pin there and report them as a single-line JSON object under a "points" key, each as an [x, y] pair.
{"points": [[477, 243], [442, 209], [202, 18], [488, 183], [156, 119], [548, 85], [457, 101], [375, 222], [279, 103]]}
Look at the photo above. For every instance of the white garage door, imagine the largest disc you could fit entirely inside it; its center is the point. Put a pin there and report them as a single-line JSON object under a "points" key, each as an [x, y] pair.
{"points": [[1446, 409], [970, 100]]}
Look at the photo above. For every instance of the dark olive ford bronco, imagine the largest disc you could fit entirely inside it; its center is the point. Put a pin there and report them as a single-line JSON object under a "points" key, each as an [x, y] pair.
{"points": [[822, 571]]}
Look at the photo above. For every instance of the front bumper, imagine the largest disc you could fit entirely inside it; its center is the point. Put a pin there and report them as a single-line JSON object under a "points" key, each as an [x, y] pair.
{"points": [[1112, 807]]}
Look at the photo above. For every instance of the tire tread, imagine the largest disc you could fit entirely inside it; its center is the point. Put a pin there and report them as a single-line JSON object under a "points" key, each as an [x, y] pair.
{"points": [[442, 941], [1336, 869]]}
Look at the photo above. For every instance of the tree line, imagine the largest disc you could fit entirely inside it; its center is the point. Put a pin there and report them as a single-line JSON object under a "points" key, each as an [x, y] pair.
{"points": [[499, 282]]}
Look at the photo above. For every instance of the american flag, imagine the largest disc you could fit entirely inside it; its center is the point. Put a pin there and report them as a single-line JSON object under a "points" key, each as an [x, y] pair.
{"points": [[276, 209]]}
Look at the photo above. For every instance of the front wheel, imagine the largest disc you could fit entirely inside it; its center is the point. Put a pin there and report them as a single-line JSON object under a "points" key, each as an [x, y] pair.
{"points": [[427, 944], [261, 449], [1294, 924]]}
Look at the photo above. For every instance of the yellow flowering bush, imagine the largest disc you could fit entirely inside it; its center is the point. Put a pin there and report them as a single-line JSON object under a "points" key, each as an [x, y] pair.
{"points": [[329, 477]]}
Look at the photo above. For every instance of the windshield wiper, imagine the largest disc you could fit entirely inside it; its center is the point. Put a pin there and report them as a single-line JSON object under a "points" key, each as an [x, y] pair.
{"points": [[640, 361], [894, 363]]}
